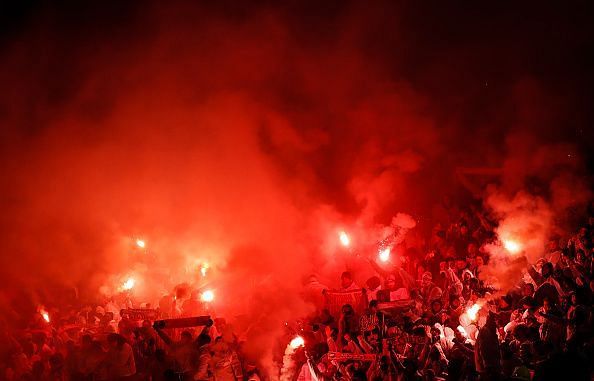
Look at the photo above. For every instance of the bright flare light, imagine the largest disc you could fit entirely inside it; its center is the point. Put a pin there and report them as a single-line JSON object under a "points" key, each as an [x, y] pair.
{"points": [[384, 255], [344, 239], [140, 243], [473, 311], [44, 315], [512, 246], [297, 342], [128, 284], [462, 331], [207, 296]]}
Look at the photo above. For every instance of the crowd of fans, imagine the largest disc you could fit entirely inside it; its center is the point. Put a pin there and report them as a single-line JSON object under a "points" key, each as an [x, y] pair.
{"points": [[431, 317]]}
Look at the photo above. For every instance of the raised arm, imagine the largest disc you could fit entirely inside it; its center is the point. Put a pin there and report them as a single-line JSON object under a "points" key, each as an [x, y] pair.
{"points": [[535, 275], [164, 336], [377, 268]]}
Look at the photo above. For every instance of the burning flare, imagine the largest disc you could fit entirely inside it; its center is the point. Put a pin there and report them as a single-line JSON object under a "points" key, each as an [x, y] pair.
{"points": [[472, 312], [207, 296], [512, 246], [128, 284], [44, 314], [297, 342], [204, 269], [344, 239], [462, 331], [384, 255], [140, 243]]}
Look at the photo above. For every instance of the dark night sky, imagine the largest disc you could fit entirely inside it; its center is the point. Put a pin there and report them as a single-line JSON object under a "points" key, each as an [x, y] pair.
{"points": [[462, 55]]}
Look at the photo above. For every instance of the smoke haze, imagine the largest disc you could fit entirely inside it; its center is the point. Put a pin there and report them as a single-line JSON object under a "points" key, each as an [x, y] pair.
{"points": [[247, 137]]}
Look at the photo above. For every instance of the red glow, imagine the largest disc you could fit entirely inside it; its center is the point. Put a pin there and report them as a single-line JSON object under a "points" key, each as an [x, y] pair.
{"points": [[44, 314], [268, 165], [297, 342], [512, 246], [204, 269], [207, 296], [472, 312], [384, 255], [128, 284]]}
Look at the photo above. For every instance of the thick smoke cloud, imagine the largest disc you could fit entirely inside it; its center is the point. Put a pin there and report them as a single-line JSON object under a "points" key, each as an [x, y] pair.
{"points": [[543, 191], [245, 138], [543, 195]]}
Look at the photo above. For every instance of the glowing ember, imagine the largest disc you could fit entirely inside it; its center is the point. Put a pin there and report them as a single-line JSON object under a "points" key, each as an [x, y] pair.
{"points": [[207, 296], [473, 311], [140, 243], [462, 331], [384, 255], [128, 284], [344, 239], [512, 246], [204, 269], [297, 342]]}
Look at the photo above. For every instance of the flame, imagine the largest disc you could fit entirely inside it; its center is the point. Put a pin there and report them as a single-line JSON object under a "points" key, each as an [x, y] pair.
{"points": [[44, 314], [512, 246], [473, 311], [140, 243], [204, 269], [297, 342], [207, 296], [344, 239], [462, 331], [384, 255], [128, 284]]}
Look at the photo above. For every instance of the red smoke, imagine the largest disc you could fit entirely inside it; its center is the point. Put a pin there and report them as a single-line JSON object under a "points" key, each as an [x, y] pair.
{"points": [[241, 138]]}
